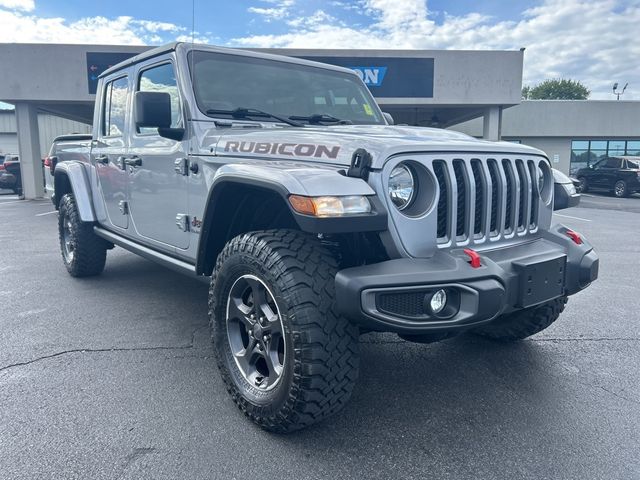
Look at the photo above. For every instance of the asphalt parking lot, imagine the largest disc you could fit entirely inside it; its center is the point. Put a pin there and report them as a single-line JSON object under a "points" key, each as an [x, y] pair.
{"points": [[112, 378]]}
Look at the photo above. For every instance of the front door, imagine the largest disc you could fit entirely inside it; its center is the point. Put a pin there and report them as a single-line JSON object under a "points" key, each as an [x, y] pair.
{"points": [[158, 189], [109, 151]]}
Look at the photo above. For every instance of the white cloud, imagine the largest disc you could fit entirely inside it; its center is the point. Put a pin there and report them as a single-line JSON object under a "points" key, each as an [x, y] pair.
{"points": [[157, 26], [196, 38], [25, 5], [279, 10], [316, 19], [18, 27], [595, 42]]}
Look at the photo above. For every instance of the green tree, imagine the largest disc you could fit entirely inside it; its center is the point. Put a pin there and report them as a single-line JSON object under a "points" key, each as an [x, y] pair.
{"points": [[557, 89]]}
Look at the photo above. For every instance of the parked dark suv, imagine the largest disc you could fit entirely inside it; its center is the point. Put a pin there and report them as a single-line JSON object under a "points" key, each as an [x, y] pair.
{"points": [[620, 175], [10, 177]]}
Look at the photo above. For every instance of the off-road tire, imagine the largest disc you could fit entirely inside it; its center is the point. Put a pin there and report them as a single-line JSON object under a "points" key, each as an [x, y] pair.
{"points": [[321, 364], [524, 323], [89, 250], [621, 189], [584, 185]]}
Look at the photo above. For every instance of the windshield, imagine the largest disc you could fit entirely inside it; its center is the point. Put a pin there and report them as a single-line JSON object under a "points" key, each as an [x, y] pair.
{"points": [[225, 82]]}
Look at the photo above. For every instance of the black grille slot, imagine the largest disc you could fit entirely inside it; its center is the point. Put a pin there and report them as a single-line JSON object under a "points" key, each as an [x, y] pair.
{"points": [[461, 184], [524, 191], [479, 180], [407, 304], [440, 170], [495, 187], [509, 206], [535, 194]]}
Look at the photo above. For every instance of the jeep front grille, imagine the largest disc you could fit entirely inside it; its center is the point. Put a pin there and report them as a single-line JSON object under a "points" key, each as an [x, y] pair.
{"points": [[485, 199]]}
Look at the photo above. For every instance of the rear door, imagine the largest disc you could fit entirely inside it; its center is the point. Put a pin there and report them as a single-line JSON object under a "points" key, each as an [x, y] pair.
{"points": [[611, 172], [109, 150], [158, 185]]}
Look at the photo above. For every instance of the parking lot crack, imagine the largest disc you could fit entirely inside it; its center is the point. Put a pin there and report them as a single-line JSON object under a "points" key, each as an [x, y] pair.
{"points": [[92, 350], [189, 346], [610, 392]]}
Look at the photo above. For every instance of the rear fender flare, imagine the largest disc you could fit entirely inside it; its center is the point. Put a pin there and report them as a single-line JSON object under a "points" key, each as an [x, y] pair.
{"points": [[71, 177]]}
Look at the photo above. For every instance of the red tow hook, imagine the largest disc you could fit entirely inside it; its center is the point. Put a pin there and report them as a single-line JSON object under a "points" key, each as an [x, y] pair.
{"points": [[474, 257], [575, 236]]}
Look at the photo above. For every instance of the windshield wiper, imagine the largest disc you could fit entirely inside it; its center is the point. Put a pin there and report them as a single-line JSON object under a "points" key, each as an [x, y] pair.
{"points": [[242, 112], [319, 118]]}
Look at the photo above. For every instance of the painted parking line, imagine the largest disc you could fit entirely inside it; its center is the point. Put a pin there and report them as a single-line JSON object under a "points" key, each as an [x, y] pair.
{"points": [[10, 203], [46, 213], [575, 218]]}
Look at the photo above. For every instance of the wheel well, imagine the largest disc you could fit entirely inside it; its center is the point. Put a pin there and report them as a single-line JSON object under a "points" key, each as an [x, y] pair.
{"points": [[235, 209], [62, 186]]}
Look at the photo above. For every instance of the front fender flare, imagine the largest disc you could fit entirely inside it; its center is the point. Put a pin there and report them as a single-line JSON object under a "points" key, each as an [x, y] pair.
{"points": [[75, 174], [289, 181]]}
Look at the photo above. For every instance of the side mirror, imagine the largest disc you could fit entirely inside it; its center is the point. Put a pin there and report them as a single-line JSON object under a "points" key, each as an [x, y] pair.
{"points": [[53, 161], [153, 110], [564, 191], [387, 116]]}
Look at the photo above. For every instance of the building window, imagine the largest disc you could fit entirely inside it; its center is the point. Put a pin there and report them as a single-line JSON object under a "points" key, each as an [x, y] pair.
{"points": [[588, 152]]}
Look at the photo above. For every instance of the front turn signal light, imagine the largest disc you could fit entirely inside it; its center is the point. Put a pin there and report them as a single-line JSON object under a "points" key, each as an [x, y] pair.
{"points": [[330, 206]]}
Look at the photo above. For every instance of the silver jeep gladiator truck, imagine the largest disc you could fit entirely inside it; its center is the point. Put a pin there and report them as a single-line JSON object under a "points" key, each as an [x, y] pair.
{"points": [[315, 218]]}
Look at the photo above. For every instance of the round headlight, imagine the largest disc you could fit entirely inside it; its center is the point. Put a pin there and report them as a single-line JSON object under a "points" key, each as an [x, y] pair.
{"points": [[540, 180], [401, 186]]}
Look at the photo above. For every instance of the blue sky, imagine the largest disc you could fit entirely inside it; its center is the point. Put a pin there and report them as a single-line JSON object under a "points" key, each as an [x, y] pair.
{"points": [[593, 41], [226, 20]]}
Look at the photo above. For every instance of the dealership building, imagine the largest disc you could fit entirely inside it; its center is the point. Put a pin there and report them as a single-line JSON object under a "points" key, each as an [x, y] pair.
{"points": [[476, 92]]}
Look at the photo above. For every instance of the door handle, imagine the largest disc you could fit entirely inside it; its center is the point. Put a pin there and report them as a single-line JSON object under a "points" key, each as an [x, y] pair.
{"points": [[134, 161], [103, 159]]}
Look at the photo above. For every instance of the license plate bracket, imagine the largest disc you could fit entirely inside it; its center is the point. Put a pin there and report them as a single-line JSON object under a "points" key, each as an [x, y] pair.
{"points": [[541, 278]]}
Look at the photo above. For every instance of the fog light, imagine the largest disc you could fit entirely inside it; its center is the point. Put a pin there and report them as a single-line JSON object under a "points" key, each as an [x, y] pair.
{"points": [[438, 301]]}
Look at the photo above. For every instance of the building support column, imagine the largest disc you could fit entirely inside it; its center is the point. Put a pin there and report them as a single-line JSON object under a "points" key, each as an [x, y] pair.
{"points": [[492, 125], [29, 150]]}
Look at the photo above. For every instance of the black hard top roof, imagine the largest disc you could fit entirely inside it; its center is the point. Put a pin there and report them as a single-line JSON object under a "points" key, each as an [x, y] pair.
{"points": [[170, 47]]}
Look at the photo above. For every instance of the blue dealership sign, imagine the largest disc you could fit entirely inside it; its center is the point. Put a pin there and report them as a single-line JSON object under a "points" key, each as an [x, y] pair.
{"points": [[390, 76], [371, 76]]}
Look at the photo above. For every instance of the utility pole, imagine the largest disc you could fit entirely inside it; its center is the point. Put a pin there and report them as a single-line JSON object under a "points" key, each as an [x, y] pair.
{"points": [[618, 93]]}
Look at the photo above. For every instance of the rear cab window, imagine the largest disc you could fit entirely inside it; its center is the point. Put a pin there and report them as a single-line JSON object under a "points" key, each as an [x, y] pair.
{"points": [[115, 106]]}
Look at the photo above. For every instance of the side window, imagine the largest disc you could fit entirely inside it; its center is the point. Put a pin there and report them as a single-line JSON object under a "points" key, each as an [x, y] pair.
{"points": [[614, 163], [162, 79], [115, 105]]}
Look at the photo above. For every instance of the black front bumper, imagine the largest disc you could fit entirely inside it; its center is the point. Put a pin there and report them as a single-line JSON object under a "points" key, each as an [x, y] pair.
{"points": [[394, 295]]}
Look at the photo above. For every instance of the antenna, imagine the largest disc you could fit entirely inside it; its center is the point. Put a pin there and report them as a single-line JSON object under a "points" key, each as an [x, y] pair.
{"points": [[617, 92], [191, 75]]}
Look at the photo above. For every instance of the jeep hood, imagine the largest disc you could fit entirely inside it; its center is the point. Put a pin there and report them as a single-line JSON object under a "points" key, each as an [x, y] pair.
{"points": [[336, 144]]}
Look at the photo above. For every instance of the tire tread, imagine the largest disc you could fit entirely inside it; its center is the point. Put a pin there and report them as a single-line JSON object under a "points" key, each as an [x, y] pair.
{"points": [[326, 368], [90, 251]]}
